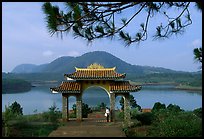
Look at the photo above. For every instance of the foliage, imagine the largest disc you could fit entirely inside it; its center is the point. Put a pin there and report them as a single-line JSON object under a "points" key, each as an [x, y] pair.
{"points": [[102, 105], [175, 122], [85, 110], [25, 128], [18, 125], [95, 20], [99, 107], [198, 112], [16, 109], [133, 103], [53, 114], [145, 118], [181, 124], [120, 115], [72, 115], [158, 106], [13, 111], [134, 112], [7, 115], [167, 122], [174, 108], [198, 55], [38, 117]]}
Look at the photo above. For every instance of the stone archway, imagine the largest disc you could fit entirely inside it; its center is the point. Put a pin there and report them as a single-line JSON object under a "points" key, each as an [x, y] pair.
{"points": [[94, 96], [102, 84], [112, 97], [98, 89], [106, 78]]}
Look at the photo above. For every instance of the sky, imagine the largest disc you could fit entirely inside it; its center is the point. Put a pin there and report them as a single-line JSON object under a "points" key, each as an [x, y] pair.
{"points": [[26, 40]]}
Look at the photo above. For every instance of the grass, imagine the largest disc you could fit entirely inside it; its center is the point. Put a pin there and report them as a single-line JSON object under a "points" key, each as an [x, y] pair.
{"points": [[31, 130], [29, 126], [140, 131]]}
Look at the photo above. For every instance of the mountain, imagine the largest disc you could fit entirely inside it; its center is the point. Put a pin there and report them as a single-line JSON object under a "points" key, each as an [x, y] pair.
{"points": [[28, 68], [67, 64], [25, 68]]}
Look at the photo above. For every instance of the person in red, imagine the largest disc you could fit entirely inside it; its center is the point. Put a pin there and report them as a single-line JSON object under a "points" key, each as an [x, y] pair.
{"points": [[107, 114]]}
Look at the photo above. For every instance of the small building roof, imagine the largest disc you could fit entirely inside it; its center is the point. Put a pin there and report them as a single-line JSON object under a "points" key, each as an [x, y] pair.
{"points": [[67, 87], [123, 86], [95, 74]]}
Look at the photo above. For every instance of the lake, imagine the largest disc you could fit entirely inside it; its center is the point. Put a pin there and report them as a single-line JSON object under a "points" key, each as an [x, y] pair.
{"points": [[40, 98]]}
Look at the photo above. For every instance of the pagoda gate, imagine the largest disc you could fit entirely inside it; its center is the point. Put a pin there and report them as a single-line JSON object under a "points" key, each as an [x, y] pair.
{"points": [[106, 78]]}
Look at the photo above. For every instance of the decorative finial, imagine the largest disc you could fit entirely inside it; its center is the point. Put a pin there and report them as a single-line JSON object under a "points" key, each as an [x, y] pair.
{"points": [[95, 66]]}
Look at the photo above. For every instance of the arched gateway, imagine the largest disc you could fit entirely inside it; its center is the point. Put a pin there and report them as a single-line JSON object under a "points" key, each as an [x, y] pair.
{"points": [[106, 78]]}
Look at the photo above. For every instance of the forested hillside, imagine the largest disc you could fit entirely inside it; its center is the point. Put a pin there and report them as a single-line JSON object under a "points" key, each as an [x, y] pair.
{"points": [[15, 85], [55, 70]]}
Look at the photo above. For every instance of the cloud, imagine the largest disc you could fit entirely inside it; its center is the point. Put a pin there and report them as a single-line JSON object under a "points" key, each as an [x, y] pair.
{"points": [[73, 53], [196, 43], [47, 53]]}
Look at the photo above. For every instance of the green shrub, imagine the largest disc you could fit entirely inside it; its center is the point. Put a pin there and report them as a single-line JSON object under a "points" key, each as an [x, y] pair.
{"points": [[52, 115], [133, 103], [16, 108], [13, 111], [198, 112], [174, 108], [72, 115], [29, 125], [134, 112], [182, 124], [85, 110], [102, 105], [158, 106], [145, 118], [119, 115]]}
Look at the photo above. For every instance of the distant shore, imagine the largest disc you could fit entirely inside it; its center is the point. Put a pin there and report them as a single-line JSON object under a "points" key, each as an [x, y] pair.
{"points": [[191, 88], [177, 86]]}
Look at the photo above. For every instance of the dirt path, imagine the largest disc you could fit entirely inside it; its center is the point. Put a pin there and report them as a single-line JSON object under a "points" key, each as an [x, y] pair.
{"points": [[89, 128]]}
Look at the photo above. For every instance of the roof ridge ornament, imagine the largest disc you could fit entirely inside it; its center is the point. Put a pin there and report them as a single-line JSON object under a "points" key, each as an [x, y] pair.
{"points": [[94, 66]]}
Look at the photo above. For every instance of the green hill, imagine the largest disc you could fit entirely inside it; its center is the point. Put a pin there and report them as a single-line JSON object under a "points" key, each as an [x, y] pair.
{"points": [[15, 85], [66, 64], [55, 70]]}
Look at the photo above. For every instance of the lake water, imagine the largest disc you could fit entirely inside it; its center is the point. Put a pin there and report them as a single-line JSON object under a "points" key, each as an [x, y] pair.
{"points": [[40, 98]]}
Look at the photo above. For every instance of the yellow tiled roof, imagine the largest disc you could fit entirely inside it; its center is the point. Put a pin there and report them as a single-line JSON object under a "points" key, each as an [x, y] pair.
{"points": [[105, 74]]}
